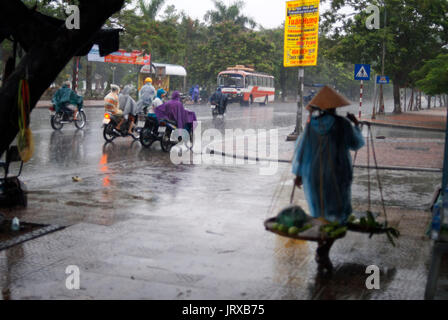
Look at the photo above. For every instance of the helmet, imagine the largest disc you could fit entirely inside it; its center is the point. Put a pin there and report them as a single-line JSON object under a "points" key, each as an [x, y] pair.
{"points": [[115, 88], [148, 80], [161, 93]]}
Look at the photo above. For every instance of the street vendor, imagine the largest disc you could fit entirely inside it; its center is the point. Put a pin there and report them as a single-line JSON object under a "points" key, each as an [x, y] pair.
{"points": [[322, 161]]}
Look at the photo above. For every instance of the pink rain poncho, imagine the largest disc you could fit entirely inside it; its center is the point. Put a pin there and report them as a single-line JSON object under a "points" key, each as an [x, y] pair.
{"points": [[175, 111]]}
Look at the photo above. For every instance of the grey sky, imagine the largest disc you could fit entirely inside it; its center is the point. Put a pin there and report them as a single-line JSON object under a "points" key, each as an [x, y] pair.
{"points": [[268, 13]]}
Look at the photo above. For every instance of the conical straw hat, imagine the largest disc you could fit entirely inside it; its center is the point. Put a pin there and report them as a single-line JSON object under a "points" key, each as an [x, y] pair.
{"points": [[328, 98]]}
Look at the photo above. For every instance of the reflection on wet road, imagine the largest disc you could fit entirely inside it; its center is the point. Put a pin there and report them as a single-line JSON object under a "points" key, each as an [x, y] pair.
{"points": [[190, 231]]}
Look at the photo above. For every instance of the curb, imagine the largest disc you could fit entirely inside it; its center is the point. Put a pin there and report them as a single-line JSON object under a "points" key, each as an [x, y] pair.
{"points": [[406, 127], [257, 159]]}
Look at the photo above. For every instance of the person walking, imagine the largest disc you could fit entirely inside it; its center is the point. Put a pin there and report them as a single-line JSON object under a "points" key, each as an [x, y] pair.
{"points": [[322, 161]]}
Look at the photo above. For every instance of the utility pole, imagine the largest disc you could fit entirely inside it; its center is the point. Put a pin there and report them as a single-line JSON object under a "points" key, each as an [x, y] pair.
{"points": [[381, 102], [298, 129], [113, 73]]}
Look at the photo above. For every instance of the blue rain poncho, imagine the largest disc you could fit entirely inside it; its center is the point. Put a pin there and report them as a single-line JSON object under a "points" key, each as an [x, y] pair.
{"points": [[322, 158], [65, 96]]}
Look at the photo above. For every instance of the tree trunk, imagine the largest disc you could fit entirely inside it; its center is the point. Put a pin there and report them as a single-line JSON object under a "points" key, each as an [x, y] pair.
{"points": [[397, 107], [411, 101], [420, 100], [49, 49], [88, 79], [405, 99], [381, 102], [429, 102], [74, 74]]}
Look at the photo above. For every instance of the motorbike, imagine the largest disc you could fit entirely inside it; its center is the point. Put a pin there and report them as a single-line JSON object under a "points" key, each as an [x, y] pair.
{"points": [[216, 110], [110, 122], [155, 130], [61, 117], [307, 99]]}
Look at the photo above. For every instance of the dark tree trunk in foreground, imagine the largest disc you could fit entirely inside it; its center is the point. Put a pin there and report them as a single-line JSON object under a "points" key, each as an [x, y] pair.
{"points": [[397, 106], [48, 47], [88, 79]]}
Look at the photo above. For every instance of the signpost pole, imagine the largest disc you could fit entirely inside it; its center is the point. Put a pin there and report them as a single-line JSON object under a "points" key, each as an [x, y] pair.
{"points": [[76, 75], [299, 121], [360, 98], [301, 46], [374, 99]]}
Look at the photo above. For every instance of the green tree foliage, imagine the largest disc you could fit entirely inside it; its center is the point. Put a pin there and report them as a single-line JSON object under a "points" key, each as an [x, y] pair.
{"points": [[150, 9], [433, 76], [231, 13], [415, 31]]}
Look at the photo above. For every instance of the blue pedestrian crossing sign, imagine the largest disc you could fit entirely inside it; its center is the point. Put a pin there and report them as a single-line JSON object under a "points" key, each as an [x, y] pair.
{"points": [[382, 79], [362, 71]]}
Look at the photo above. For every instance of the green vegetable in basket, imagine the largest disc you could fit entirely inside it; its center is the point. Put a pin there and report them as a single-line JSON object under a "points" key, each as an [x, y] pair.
{"points": [[305, 227], [292, 231], [275, 226], [363, 221], [282, 228], [293, 216], [370, 219], [333, 230], [336, 233]]}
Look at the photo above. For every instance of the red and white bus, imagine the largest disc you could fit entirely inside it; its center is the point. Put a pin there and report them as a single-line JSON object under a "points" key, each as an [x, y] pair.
{"points": [[246, 86]]}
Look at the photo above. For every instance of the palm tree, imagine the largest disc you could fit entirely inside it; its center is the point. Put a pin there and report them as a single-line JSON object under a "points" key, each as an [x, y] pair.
{"points": [[151, 9], [232, 13]]}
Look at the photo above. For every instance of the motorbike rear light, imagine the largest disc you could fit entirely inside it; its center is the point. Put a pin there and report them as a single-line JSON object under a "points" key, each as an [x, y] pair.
{"points": [[51, 109], [106, 116]]}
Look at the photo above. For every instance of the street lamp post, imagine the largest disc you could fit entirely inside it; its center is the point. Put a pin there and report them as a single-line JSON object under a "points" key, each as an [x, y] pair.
{"points": [[113, 73]]}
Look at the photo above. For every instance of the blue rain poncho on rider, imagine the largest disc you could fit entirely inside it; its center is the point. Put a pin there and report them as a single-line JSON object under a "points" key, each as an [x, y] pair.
{"points": [[65, 96], [323, 161], [220, 98]]}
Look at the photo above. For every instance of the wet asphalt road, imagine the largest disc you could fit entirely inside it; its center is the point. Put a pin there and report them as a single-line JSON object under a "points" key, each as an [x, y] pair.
{"points": [[133, 171], [191, 231]]}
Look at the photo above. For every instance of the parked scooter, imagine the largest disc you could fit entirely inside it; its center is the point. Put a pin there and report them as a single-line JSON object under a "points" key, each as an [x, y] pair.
{"points": [[58, 119], [110, 122]]}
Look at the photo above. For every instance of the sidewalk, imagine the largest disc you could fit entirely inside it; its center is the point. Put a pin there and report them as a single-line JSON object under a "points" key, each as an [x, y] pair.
{"points": [[432, 119], [392, 152], [87, 103]]}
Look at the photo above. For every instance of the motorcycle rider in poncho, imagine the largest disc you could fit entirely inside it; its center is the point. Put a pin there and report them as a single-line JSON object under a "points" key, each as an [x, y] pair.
{"points": [[65, 99], [146, 95]]}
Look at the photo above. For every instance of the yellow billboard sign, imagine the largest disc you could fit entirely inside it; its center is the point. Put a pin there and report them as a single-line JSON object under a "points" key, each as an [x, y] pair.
{"points": [[301, 33]]}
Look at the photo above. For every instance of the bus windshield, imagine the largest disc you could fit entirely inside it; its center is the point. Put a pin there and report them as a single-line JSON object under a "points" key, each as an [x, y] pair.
{"points": [[231, 80]]}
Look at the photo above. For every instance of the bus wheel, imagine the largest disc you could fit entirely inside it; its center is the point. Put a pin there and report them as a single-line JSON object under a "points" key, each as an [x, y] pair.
{"points": [[265, 103]]}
